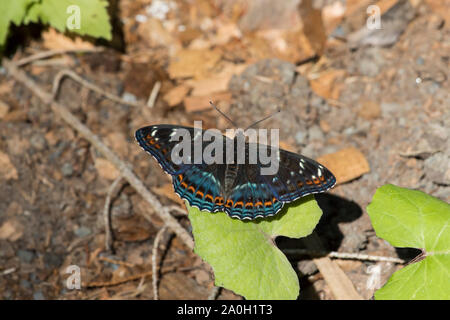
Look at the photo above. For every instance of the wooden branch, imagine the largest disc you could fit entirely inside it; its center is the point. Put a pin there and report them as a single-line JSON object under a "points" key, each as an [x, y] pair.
{"points": [[124, 169]]}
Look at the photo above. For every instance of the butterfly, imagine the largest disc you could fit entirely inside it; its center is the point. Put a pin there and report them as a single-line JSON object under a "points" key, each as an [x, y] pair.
{"points": [[240, 190]]}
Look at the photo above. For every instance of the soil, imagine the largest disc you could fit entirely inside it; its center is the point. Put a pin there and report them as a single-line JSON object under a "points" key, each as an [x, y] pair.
{"points": [[393, 106]]}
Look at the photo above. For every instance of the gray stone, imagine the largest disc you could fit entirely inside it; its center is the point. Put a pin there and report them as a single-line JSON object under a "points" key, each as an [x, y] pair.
{"points": [[82, 232], [67, 169], [301, 137], [38, 295], [437, 168], [25, 256], [315, 133], [38, 142]]}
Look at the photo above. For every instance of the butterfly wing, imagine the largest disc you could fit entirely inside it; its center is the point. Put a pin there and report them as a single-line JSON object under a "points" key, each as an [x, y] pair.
{"points": [[199, 184], [257, 195]]}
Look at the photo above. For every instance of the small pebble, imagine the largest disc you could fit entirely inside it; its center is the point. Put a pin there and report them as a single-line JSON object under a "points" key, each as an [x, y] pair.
{"points": [[67, 169], [82, 232], [129, 97], [38, 295], [25, 255], [38, 142], [315, 133], [300, 137]]}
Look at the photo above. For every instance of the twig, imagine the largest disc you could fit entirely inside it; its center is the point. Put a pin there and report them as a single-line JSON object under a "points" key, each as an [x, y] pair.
{"points": [[214, 293], [154, 94], [50, 53], [7, 271], [178, 210], [87, 134], [106, 215], [118, 262], [342, 255], [127, 279], [154, 265], [338, 282], [69, 73]]}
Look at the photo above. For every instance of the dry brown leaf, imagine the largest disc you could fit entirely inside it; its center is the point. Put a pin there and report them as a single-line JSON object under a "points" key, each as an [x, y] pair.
{"points": [[189, 63], [117, 142], [325, 84], [289, 45], [217, 83], [200, 103], [11, 230], [332, 15], [313, 27], [153, 34], [4, 109], [55, 40], [106, 169], [7, 169], [369, 110], [346, 164], [442, 8], [167, 191], [176, 95], [325, 126]]}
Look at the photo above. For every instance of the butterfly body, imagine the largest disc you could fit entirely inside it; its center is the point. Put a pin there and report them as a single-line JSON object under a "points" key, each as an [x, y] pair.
{"points": [[239, 189]]}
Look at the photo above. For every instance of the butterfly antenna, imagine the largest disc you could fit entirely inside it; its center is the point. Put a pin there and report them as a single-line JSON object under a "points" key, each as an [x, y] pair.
{"points": [[264, 119], [223, 114]]}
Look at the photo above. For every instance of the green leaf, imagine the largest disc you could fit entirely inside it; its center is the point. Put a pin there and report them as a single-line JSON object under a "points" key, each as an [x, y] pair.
{"points": [[243, 254], [11, 11], [94, 19], [413, 219]]}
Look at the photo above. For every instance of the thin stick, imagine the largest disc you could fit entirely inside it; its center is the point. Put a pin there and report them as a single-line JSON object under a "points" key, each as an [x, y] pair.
{"points": [[154, 94], [50, 53], [68, 73], [343, 255], [126, 172], [154, 265], [106, 215], [127, 279]]}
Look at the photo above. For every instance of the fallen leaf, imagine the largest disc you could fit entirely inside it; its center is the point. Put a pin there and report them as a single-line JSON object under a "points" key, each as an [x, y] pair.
{"points": [[325, 84], [189, 63], [200, 103], [106, 169], [369, 110], [167, 191], [54, 40], [346, 164], [217, 83], [332, 15], [11, 230], [176, 95], [441, 7], [4, 108], [117, 142], [7, 169], [313, 27]]}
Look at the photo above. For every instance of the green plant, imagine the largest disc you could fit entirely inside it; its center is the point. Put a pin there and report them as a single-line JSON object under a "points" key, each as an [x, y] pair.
{"points": [[243, 254], [85, 17], [413, 219]]}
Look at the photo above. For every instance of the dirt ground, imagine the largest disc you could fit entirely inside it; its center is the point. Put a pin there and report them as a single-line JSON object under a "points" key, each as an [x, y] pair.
{"points": [[389, 102]]}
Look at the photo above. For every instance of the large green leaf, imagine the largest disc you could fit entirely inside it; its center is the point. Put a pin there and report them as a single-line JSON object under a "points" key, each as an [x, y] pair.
{"points": [[243, 254], [94, 19], [11, 11], [413, 219]]}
